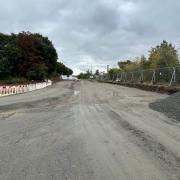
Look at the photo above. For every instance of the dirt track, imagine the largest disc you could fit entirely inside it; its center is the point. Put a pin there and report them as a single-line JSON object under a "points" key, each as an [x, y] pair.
{"points": [[87, 131]]}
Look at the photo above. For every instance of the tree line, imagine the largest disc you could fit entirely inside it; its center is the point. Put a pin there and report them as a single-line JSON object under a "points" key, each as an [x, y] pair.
{"points": [[163, 55], [85, 75], [29, 56]]}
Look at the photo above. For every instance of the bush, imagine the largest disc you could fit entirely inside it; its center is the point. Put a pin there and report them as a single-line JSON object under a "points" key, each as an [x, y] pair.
{"points": [[13, 80]]}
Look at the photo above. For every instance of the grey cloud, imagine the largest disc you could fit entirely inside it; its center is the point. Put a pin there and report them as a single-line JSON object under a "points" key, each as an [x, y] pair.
{"points": [[141, 28], [105, 18], [97, 32]]}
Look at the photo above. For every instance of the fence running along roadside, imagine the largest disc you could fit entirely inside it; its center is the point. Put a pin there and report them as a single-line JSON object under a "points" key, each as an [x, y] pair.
{"points": [[169, 76], [23, 88]]}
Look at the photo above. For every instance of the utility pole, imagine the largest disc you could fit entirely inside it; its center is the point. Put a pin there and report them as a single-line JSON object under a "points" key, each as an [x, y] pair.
{"points": [[91, 69], [107, 68]]}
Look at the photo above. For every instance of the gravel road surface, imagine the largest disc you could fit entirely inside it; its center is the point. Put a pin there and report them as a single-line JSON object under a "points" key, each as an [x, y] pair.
{"points": [[87, 131], [169, 106]]}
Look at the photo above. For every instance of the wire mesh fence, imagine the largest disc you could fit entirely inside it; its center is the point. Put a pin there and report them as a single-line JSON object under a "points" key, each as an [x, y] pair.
{"points": [[164, 76]]}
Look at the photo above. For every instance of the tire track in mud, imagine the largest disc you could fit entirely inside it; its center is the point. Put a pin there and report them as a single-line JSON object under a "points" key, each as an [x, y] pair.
{"points": [[168, 160]]}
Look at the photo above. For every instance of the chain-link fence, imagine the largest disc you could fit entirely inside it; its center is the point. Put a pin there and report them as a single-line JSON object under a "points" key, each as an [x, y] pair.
{"points": [[166, 76]]}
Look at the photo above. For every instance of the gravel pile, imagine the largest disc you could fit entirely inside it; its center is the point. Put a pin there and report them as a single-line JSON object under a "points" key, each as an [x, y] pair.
{"points": [[169, 106]]}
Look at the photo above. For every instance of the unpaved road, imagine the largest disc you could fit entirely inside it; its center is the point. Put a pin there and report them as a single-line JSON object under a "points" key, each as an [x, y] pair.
{"points": [[87, 131]]}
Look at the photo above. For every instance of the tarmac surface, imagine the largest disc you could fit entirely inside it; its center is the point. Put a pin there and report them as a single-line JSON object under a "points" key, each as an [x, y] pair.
{"points": [[87, 131]]}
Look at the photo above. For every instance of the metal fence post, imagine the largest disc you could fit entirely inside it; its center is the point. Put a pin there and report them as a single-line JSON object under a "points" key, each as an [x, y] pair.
{"points": [[113, 77], [117, 77], [166, 75], [142, 77], [153, 78], [173, 78], [121, 77], [132, 77], [125, 79]]}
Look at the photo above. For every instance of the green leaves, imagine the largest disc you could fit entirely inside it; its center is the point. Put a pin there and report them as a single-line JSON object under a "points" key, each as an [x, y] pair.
{"points": [[62, 69], [164, 55], [85, 75], [37, 72], [30, 56]]}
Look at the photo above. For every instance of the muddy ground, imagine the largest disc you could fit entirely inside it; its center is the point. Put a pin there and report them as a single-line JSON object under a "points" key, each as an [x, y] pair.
{"points": [[87, 131]]}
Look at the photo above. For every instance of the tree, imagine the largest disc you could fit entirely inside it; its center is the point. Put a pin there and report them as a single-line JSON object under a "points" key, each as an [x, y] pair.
{"points": [[123, 64], [129, 66], [48, 52], [97, 72], [84, 75], [62, 69], [164, 55], [114, 71], [36, 49], [37, 72], [144, 63], [30, 53], [9, 55], [30, 56]]}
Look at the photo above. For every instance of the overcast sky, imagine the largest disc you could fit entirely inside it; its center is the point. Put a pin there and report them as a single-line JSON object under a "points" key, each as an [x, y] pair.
{"points": [[97, 32]]}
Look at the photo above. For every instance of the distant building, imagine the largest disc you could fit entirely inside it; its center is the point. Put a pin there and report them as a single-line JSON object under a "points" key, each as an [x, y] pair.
{"points": [[69, 78]]}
